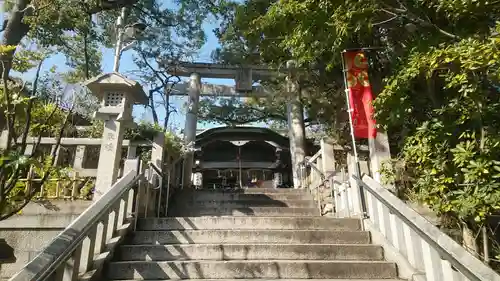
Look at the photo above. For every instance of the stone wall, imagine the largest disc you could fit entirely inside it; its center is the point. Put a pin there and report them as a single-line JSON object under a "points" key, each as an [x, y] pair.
{"points": [[35, 227]]}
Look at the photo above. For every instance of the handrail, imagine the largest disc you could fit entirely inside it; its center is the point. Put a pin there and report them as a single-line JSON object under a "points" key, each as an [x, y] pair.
{"points": [[306, 163], [468, 265], [68, 243], [159, 172], [315, 156], [324, 178]]}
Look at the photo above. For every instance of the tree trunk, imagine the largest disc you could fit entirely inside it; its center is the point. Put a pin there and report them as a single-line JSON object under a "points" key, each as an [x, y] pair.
{"points": [[14, 32], [15, 29], [469, 240]]}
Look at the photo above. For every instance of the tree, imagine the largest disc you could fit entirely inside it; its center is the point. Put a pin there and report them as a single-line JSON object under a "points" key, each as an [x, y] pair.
{"points": [[160, 86], [36, 29], [28, 116], [70, 30], [434, 67], [171, 36], [243, 43], [235, 111]]}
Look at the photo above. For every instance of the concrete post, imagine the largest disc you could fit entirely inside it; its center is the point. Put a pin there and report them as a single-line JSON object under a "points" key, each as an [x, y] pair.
{"points": [[278, 173], [131, 161], [4, 139], [379, 153], [158, 152], [131, 151], [79, 157], [328, 168], [157, 157], [117, 95], [379, 147], [190, 127], [355, 192], [29, 149], [295, 123], [327, 157]]}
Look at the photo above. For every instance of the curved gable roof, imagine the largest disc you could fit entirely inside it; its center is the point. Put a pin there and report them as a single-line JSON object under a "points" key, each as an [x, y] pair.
{"points": [[240, 133]]}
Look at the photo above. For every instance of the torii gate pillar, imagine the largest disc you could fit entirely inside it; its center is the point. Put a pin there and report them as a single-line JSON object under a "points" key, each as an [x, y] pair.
{"points": [[194, 91], [296, 128]]}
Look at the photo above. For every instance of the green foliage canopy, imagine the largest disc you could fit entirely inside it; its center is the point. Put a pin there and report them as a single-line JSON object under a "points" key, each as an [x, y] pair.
{"points": [[435, 66]]}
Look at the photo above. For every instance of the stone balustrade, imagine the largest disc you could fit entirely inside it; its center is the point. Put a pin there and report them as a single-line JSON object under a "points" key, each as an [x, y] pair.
{"points": [[101, 224], [81, 156], [79, 152], [422, 251], [82, 248], [320, 172]]}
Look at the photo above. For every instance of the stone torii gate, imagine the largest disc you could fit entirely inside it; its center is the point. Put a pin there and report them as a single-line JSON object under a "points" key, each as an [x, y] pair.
{"points": [[244, 76]]}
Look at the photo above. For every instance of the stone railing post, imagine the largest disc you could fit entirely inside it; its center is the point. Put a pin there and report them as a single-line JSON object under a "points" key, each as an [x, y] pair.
{"points": [[29, 149], [356, 199], [355, 193], [79, 157], [328, 168], [379, 153], [117, 95], [4, 135], [327, 157], [158, 151], [157, 158], [130, 162]]}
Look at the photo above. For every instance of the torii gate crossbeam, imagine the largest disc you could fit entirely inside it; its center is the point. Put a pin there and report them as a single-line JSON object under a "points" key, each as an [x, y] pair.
{"points": [[212, 70], [181, 89]]}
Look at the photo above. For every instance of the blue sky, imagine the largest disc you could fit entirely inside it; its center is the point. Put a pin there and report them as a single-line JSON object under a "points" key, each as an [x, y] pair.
{"points": [[127, 65]]}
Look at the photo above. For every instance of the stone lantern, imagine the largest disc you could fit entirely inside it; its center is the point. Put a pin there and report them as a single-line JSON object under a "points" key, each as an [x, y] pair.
{"points": [[117, 95]]}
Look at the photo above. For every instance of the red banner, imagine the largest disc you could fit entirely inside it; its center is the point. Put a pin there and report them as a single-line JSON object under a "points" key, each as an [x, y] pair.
{"points": [[360, 94]]}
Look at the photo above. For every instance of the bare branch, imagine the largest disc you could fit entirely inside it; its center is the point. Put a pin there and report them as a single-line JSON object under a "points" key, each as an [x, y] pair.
{"points": [[399, 12], [164, 89], [385, 21], [86, 55], [8, 110], [25, 133]]}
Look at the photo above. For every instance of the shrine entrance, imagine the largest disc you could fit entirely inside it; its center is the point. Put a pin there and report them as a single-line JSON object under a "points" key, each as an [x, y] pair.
{"points": [[244, 77], [241, 157]]}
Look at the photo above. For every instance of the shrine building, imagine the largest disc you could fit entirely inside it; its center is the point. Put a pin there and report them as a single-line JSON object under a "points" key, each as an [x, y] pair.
{"points": [[234, 157]]}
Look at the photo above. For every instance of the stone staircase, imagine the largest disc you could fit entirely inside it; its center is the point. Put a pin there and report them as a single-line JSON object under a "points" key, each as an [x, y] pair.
{"points": [[249, 234]]}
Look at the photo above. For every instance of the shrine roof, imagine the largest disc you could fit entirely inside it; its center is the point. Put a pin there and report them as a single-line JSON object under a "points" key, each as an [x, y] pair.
{"points": [[240, 133]]}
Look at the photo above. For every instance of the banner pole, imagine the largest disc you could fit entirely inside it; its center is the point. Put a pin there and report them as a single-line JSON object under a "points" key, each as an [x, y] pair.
{"points": [[357, 169]]}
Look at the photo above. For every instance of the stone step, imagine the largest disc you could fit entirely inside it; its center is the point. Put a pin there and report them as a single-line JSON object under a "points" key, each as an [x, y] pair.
{"points": [[250, 211], [248, 252], [249, 222], [200, 195], [245, 203], [269, 269], [249, 236], [268, 279], [252, 190]]}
